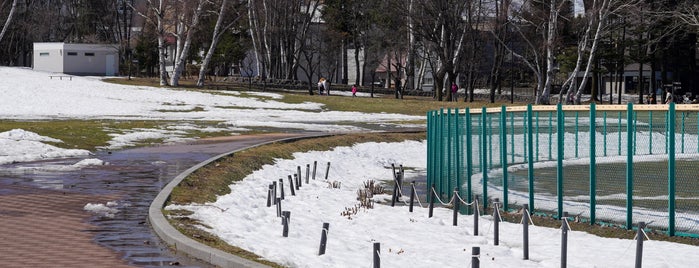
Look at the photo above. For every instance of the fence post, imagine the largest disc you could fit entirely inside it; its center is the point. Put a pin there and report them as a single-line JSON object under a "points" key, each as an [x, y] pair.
{"points": [[496, 222], [274, 192], [327, 170], [564, 240], [412, 195], [530, 154], [315, 164], [593, 165], [279, 207], [377, 255], [449, 139], [324, 238], [671, 170], [639, 244], [475, 257], [503, 154], [629, 166], [469, 158], [484, 152], [456, 206], [269, 195], [525, 231], [560, 134]]}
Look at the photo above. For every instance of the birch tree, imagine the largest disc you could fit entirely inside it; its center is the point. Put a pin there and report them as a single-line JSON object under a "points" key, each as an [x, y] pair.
{"points": [[186, 26], [9, 19], [155, 15], [219, 30]]}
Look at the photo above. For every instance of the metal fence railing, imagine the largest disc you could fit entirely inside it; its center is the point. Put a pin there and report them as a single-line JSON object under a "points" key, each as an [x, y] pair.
{"points": [[605, 164]]}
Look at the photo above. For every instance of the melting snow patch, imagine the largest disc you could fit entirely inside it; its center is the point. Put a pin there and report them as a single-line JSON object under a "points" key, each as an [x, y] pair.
{"points": [[104, 210]]}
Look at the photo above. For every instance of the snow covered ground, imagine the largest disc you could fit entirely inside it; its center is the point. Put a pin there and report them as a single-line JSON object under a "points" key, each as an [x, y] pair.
{"points": [[242, 217], [407, 239]]}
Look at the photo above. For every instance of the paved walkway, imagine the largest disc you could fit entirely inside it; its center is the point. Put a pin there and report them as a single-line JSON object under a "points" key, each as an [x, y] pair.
{"points": [[49, 228]]}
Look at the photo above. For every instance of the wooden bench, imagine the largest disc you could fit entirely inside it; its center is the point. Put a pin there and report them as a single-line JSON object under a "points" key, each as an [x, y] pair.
{"points": [[70, 77]]}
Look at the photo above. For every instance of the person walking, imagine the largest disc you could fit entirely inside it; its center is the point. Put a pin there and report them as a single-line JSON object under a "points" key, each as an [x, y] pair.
{"points": [[354, 90], [321, 86], [454, 90]]}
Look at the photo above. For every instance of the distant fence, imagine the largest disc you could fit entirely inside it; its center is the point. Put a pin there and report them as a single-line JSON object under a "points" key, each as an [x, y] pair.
{"points": [[605, 164]]}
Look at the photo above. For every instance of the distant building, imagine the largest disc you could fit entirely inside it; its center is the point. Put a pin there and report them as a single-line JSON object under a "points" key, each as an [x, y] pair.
{"points": [[76, 59]]}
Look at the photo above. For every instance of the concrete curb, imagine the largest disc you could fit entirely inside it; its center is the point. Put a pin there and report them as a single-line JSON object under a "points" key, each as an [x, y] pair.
{"points": [[189, 246]]}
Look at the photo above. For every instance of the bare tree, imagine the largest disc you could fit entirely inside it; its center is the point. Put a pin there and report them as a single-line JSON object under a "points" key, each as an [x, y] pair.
{"points": [[155, 15], [219, 30], [186, 26], [9, 19]]}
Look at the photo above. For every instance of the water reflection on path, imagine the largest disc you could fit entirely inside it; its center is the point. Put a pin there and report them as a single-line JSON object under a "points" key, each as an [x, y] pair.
{"points": [[131, 179]]}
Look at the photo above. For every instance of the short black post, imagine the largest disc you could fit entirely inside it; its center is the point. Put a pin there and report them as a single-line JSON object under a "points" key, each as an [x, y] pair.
{"points": [[496, 222], [274, 192], [639, 244], [298, 181], [564, 240], [291, 185], [308, 171], [400, 179], [475, 216], [279, 207], [324, 238], [269, 195], [327, 170], [456, 206], [412, 195], [285, 222], [281, 187], [475, 257], [377, 255], [395, 194], [315, 164], [431, 200], [298, 171], [525, 231]]}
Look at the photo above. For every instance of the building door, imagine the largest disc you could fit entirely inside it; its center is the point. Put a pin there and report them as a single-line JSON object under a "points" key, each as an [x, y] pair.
{"points": [[110, 70]]}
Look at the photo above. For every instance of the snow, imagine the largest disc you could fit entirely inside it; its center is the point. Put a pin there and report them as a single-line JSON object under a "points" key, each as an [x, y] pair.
{"points": [[407, 239], [242, 218]]}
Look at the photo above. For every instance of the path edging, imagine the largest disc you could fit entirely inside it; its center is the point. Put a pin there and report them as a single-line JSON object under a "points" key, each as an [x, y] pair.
{"points": [[191, 247]]}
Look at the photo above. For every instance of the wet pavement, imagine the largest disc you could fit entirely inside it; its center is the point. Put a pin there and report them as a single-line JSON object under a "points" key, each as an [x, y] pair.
{"points": [[43, 221]]}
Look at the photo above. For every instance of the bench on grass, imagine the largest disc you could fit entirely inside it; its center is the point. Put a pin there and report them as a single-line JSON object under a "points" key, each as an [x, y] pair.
{"points": [[70, 77]]}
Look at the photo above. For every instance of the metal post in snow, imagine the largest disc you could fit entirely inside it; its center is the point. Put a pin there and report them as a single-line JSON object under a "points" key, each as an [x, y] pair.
{"points": [[279, 207], [298, 180], [327, 170], [564, 240], [281, 187], [315, 164], [324, 238], [274, 192], [525, 231], [456, 207], [412, 196], [475, 257], [377, 255], [298, 171], [475, 216], [496, 222], [291, 185], [639, 244], [285, 223], [395, 194], [431, 201], [269, 195], [308, 171]]}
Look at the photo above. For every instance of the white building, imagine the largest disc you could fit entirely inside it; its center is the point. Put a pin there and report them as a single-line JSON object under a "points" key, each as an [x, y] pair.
{"points": [[76, 59]]}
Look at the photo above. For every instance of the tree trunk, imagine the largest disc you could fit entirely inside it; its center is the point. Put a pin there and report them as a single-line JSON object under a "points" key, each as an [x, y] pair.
{"points": [[9, 19], [182, 55], [214, 42]]}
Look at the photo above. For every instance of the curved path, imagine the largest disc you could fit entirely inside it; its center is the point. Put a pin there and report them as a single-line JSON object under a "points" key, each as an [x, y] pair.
{"points": [[43, 222]]}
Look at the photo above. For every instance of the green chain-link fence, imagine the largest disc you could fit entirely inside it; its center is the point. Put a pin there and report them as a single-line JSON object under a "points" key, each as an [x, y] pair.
{"points": [[640, 164]]}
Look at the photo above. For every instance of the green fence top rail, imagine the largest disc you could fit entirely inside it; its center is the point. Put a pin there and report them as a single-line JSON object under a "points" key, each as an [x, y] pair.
{"points": [[598, 107]]}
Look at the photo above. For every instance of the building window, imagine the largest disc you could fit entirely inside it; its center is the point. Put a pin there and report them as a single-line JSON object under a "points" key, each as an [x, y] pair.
{"points": [[72, 53], [89, 54], [43, 54]]}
